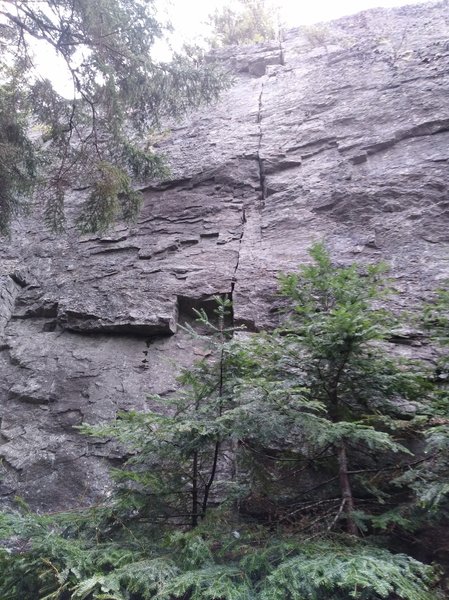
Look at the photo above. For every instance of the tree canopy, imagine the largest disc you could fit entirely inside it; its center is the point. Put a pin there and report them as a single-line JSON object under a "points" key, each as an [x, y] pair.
{"points": [[99, 138], [247, 22]]}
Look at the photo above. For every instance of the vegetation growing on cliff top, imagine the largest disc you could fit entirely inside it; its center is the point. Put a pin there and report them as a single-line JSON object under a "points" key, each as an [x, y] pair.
{"points": [[282, 470], [98, 139], [245, 22]]}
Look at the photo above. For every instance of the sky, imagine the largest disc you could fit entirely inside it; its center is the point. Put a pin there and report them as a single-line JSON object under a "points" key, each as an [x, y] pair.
{"points": [[187, 15], [189, 18]]}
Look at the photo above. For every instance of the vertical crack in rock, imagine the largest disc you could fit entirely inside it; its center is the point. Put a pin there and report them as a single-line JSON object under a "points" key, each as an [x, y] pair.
{"points": [[262, 194], [260, 160], [260, 198], [236, 268]]}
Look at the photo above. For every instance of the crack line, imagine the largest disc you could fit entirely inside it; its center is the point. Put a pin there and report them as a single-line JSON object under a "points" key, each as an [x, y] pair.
{"points": [[236, 268], [260, 160]]}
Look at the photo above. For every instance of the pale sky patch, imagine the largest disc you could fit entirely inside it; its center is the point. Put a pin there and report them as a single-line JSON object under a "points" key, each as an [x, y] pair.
{"points": [[189, 16], [189, 19]]}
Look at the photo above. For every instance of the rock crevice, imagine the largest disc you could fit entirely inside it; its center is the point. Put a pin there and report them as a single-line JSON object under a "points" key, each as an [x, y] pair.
{"points": [[334, 145]]}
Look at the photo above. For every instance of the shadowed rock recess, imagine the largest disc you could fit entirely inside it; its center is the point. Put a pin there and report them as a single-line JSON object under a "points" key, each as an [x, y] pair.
{"points": [[344, 139]]}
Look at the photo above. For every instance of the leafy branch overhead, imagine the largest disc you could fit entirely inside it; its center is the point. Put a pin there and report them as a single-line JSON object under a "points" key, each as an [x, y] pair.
{"points": [[119, 94]]}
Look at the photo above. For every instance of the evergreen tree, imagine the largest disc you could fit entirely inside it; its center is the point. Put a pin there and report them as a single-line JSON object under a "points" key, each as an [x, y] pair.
{"points": [[17, 157], [325, 388], [99, 138], [429, 480]]}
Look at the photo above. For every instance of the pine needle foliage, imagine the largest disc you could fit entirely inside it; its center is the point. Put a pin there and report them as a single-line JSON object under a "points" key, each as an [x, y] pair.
{"points": [[91, 554], [210, 563], [325, 570], [429, 480], [324, 387], [18, 163], [96, 136], [247, 22], [112, 196]]}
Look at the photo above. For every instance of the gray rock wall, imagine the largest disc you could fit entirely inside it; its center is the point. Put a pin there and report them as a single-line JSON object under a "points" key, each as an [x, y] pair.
{"points": [[341, 134]]}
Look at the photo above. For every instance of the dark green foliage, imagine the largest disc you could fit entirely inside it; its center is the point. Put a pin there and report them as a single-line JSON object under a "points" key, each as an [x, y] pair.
{"points": [[18, 161], [67, 562], [112, 196], [65, 559], [329, 570], [429, 480], [119, 94], [436, 321], [331, 392], [250, 22]]}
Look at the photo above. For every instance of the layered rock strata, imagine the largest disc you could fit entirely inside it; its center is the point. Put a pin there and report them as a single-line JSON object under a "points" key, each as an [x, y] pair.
{"points": [[339, 133]]}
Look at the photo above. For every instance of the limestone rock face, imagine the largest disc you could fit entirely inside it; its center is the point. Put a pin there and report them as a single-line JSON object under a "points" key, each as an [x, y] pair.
{"points": [[339, 133]]}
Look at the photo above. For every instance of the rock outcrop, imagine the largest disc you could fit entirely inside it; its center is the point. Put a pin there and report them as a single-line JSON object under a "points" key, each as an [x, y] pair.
{"points": [[339, 133]]}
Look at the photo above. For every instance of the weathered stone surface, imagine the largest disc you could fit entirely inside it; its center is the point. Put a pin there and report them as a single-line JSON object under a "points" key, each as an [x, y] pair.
{"points": [[346, 141]]}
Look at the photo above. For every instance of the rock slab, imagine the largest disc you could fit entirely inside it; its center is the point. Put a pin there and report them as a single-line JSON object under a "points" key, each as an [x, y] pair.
{"points": [[341, 137]]}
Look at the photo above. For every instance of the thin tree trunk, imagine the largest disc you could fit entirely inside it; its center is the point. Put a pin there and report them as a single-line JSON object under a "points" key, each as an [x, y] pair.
{"points": [[346, 491], [210, 482], [217, 448], [195, 490]]}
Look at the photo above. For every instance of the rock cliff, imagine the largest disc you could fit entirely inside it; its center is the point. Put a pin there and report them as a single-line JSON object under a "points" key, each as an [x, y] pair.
{"points": [[339, 133]]}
